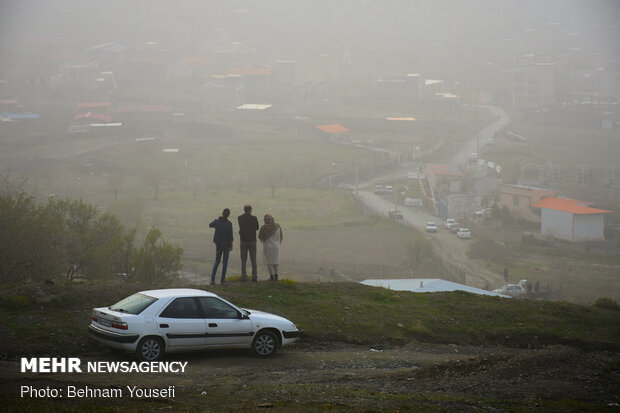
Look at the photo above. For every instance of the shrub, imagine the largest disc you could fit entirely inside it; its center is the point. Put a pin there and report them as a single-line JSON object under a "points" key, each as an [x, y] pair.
{"points": [[607, 303], [15, 302]]}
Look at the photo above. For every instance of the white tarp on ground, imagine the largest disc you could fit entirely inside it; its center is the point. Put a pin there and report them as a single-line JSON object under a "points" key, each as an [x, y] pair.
{"points": [[426, 285]]}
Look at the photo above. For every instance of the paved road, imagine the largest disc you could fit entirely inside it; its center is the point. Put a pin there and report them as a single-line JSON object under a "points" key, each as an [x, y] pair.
{"points": [[446, 245], [501, 119]]}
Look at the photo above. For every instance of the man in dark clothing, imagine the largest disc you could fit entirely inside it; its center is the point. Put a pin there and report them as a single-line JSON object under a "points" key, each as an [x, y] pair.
{"points": [[248, 225], [223, 240]]}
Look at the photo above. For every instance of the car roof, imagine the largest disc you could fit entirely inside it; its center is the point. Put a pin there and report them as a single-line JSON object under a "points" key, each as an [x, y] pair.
{"points": [[177, 292]]}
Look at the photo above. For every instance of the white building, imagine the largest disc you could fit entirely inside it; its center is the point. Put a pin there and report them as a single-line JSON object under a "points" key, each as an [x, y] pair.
{"points": [[571, 220], [533, 82], [426, 285]]}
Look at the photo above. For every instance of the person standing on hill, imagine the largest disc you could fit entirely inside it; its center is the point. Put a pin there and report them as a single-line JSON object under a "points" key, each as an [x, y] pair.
{"points": [[223, 240], [270, 235], [248, 225]]}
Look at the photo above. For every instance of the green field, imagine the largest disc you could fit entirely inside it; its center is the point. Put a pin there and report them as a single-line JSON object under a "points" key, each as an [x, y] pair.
{"points": [[341, 312]]}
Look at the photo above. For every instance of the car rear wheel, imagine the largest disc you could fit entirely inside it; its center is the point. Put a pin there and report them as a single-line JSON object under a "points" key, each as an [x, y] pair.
{"points": [[150, 349], [265, 344]]}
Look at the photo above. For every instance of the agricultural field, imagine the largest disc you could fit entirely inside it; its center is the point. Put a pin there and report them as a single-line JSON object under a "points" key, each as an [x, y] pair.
{"points": [[275, 166]]}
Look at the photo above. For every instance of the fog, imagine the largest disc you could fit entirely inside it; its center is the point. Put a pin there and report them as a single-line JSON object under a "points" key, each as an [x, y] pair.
{"points": [[165, 112]]}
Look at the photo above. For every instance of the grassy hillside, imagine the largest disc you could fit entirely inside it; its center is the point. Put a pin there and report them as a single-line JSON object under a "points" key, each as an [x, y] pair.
{"points": [[52, 319]]}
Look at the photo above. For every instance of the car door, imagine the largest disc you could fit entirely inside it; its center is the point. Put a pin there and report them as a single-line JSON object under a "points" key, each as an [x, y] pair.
{"points": [[226, 326], [182, 323]]}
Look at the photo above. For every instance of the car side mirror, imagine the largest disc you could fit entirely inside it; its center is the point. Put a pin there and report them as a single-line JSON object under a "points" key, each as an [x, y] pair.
{"points": [[243, 316]]}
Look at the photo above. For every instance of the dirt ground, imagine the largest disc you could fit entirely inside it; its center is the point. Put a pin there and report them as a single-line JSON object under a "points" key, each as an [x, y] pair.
{"points": [[339, 377]]}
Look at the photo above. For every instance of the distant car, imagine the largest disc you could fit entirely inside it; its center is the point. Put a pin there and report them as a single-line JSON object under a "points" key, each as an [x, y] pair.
{"points": [[379, 189], [513, 290], [463, 233], [450, 222], [396, 213], [151, 323], [473, 157], [431, 227], [345, 187], [455, 227], [483, 213], [388, 190]]}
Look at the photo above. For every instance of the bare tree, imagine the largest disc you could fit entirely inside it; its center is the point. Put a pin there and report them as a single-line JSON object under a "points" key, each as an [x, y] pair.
{"points": [[153, 177], [272, 179], [116, 181]]}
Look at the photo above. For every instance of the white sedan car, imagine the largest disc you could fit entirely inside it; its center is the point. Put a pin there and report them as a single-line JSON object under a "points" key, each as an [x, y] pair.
{"points": [[153, 322]]}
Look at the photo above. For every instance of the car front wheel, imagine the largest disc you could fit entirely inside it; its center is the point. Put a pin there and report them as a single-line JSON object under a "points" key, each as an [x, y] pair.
{"points": [[265, 344], [150, 349]]}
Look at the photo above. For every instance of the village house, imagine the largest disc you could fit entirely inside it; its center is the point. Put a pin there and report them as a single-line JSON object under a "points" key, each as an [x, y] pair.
{"points": [[571, 220], [519, 200]]}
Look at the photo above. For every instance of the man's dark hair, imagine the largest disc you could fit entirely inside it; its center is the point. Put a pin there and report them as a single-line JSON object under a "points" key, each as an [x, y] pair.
{"points": [[247, 208], [226, 213]]}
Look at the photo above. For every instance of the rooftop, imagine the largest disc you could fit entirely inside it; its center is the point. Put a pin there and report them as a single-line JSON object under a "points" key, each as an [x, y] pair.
{"points": [[569, 205], [332, 128], [426, 285], [444, 169]]}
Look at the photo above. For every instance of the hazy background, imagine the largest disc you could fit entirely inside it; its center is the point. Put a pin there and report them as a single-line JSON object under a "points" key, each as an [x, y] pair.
{"points": [[168, 77]]}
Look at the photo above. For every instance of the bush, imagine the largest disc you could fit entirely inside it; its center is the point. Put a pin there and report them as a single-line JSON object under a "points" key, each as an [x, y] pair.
{"points": [[157, 259], [42, 240], [15, 302], [607, 303]]}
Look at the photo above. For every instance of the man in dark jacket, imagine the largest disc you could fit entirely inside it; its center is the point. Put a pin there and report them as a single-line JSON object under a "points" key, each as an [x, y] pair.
{"points": [[248, 225], [223, 240]]}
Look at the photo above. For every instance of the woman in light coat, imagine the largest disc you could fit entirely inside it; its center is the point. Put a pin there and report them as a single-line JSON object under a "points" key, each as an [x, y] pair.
{"points": [[270, 235]]}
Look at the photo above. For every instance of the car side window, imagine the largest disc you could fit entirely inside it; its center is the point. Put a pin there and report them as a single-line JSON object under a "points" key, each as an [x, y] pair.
{"points": [[184, 307], [215, 308]]}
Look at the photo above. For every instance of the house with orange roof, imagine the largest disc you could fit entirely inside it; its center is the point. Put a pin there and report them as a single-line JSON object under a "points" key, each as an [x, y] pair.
{"points": [[335, 130], [571, 220], [444, 177]]}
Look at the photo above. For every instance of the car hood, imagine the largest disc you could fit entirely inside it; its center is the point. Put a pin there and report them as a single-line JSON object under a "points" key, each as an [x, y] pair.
{"points": [[256, 315]]}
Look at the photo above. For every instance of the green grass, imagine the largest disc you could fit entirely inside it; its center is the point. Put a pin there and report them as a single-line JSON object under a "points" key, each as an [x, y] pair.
{"points": [[345, 312]]}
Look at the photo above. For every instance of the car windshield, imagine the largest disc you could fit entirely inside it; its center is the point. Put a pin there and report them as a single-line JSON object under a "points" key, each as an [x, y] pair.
{"points": [[134, 304]]}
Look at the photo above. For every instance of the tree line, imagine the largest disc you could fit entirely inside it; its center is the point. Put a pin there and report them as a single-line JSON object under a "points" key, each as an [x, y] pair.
{"points": [[46, 239]]}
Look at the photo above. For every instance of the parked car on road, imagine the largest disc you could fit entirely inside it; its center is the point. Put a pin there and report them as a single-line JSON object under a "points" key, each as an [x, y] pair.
{"points": [[463, 233], [388, 190], [431, 227], [450, 222], [455, 227], [396, 213], [513, 290], [379, 189], [483, 213], [152, 323]]}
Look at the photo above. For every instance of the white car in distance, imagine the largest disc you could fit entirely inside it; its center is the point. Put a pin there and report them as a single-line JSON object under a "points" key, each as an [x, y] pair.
{"points": [[512, 290], [431, 227], [450, 222], [463, 233], [152, 323]]}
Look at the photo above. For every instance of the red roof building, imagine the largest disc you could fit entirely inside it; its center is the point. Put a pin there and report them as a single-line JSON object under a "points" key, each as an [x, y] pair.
{"points": [[571, 220], [447, 178], [94, 116], [333, 128]]}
